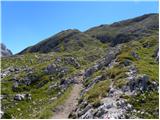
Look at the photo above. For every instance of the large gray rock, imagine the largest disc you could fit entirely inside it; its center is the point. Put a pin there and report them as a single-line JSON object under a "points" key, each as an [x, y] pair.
{"points": [[51, 68], [139, 83], [55, 69], [143, 82], [19, 97]]}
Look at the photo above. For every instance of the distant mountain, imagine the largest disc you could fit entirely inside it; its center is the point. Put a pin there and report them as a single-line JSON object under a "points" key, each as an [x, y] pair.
{"points": [[116, 33], [4, 51]]}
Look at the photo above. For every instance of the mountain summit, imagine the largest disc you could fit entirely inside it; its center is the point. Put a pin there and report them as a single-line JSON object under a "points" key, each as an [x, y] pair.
{"points": [[67, 40]]}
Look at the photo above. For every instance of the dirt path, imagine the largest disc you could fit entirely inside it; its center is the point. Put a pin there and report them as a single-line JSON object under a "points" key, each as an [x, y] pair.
{"points": [[63, 111]]}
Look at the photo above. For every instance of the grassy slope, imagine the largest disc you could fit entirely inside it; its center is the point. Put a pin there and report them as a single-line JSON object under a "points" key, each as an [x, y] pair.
{"points": [[146, 65], [40, 106]]}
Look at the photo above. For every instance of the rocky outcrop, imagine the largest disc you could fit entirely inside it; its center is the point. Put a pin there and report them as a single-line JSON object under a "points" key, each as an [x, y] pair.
{"points": [[139, 83], [110, 55], [72, 61], [15, 70], [55, 69]]}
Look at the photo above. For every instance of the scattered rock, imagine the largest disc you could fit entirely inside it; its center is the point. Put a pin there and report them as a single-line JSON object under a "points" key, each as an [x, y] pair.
{"points": [[1, 114], [156, 54], [88, 115], [20, 97], [143, 82], [42, 83], [51, 69], [15, 86], [54, 69], [72, 61], [129, 107], [54, 98], [80, 113], [127, 62], [2, 97], [139, 83], [135, 55]]}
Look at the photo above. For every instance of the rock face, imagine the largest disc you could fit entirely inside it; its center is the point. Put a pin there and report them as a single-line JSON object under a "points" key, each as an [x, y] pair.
{"points": [[110, 55], [4, 51]]}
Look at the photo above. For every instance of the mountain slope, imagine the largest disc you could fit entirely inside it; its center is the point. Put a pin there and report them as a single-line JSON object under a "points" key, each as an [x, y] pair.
{"points": [[67, 40], [116, 33], [118, 80], [124, 31]]}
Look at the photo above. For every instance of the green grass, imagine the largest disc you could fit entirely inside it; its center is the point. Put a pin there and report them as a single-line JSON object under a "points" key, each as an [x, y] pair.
{"points": [[148, 103], [147, 61], [117, 72], [41, 107], [119, 83], [147, 64], [47, 110], [98, 91], [38, 107]]}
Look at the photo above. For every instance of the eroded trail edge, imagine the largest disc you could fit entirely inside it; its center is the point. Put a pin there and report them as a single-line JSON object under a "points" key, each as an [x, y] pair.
{"points": [[63, 111]]}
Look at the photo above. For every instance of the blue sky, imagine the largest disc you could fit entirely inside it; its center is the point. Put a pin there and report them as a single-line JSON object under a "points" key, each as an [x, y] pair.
{"points": [[26, 23]]}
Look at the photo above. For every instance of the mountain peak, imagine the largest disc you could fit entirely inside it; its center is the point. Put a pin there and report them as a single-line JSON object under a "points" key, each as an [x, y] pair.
{"points": [[4, 51]]}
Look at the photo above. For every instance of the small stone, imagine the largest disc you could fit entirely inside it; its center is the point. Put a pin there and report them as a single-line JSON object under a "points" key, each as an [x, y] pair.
{"points": [[54, 98], [135, 55], [127, 62]]}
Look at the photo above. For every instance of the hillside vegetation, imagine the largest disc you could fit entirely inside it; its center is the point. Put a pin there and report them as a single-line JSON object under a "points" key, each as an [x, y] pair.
{"points": [[116, 64]]}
